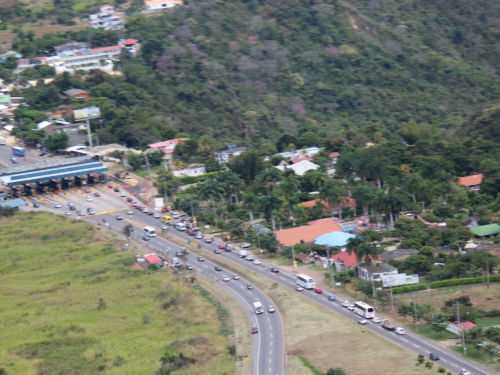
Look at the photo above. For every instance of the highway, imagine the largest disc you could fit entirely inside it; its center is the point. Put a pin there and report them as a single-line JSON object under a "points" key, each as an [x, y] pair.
{"points": [[267, 345], [32, 156]]}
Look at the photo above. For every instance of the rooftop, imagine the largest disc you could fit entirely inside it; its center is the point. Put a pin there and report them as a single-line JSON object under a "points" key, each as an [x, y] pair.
{"points": [[334, 155], [334, 239], [470, 180], [348, 260], [300, 168], [105, 49], [295, 161], [73, 92], [165, 144], [348, 203], [18, 202], [307, 233], [486, 230]]}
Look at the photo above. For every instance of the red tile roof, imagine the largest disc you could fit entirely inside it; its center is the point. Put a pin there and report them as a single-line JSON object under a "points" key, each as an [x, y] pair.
{"points": [[173, 142], [151, 258], [106, 49], [465, 325], [130, 41], [308, 233], [470, 180], [334, 155], [348, 260], [348, 203], [295, 161]]}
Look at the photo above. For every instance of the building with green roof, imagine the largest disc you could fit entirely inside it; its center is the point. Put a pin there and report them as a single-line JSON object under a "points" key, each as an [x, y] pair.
{"points": [[486, 230]]}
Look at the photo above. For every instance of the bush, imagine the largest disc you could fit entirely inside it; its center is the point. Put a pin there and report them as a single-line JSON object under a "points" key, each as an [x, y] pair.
{"points": [[194, 179], [463, 281], [441, 370], [408, 288]]}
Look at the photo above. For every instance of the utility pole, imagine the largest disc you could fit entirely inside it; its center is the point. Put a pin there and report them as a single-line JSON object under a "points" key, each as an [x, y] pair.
{"points": [[147, 165], [488, 274], [293, 254], [392, 299], [165, 188], [461, 328], [330, 265], [192, 211], [416, 318]]}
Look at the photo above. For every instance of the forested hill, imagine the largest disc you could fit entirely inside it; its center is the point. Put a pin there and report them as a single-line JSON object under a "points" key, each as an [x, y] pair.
{"points": [[249, 71]]}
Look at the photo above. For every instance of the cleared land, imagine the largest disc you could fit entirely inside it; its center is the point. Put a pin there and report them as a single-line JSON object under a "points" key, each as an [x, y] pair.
{"points": [[71, 303]]}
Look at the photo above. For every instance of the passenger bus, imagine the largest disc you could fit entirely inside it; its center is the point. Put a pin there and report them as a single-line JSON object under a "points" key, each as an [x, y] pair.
{"points": [[150, 231], [2, 140], [364, 310], [257, 306], [19, 151], [305, 282]]}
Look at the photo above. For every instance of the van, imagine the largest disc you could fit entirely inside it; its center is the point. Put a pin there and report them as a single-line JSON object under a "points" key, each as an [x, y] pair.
{"points": [[150, 231], [175, 215], [166, 219], [180, 226]]}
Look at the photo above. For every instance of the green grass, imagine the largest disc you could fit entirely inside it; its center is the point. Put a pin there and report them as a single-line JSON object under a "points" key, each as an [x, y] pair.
{"points": [[482, 357], [310, 367], [487, 322], [55, 272], [426, 331], [144, 172]]}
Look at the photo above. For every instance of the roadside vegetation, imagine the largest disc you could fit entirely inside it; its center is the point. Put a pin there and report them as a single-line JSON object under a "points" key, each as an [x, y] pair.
{"points": [[72, 302]]}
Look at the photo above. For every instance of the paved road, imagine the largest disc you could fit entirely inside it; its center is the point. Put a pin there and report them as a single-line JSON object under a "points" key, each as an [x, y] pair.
{"points": [[267, 346], [32, 156]]}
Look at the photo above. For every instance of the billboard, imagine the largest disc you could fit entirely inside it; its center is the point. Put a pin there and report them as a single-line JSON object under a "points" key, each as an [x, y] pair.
{"points": [[399, 280], [87, 113], [159, 203]]}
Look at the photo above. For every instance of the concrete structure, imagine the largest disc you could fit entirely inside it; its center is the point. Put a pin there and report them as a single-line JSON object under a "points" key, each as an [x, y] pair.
{"points": [[377, 272], [193, 171], [77, 94], [68, 129], [14, 203], [107, 19], [158, 5], [71, 47], [223, 157], [471, 182], [103, 150], [303, 153], [42, 125], [300, 168]]}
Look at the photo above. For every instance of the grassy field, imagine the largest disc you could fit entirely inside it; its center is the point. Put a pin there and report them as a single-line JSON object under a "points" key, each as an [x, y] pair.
{"points": [[72, 304], [324, 339]]}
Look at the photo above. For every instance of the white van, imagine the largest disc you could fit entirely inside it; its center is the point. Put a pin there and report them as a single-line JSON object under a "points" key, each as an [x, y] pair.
{"points": [[180, 226], [175, 215], [150, 231]]}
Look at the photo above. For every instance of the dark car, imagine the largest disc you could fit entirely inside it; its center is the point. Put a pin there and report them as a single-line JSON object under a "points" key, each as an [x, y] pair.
{"points": [[146, 237], [178, 253], [116, 189], [217, 251], [433, 356], [97, 194], [189, 267], [36, 205], [254, 329], [72, 208], [227, 249], [218, 268], [129, 199], [275, 270], [249, 286], [331, 297]]}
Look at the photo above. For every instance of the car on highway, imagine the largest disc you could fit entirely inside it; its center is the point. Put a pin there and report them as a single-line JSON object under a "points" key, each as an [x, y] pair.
{"points": [[318, 291], [199, 236], [218, 268], [72, 208], [67, 213], [245, 245], [222, 247], [434, 356], [227, 249], [191, 233], [257, 262], [119, 217], [14, 159], [129, 199], [130, 212], [350, 307], [138, 207], [116, 190], [145, 210], [362, 321], [56, 191], [217, 251], [97, 194], [146, 237], [43, 153], [465, 372], [189, 267], [91, 211], [134, 203], [208, 240], [346, 303], [275, 270], [400, 331], [123, 195], [201, 259], [271, 309], [225, 278], [88, 199], [156, 216], [57, 205], [86, 190], [254, 329], [249, 286], [166, 209], [36, 205], [236, 277], [376, 320], [80, 213], [299, 288], [331, 297], [250, 258], [164, 226]]}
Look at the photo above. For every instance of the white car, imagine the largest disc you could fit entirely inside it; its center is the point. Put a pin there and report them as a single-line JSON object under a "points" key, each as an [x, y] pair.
{"points": [[376, 320], [236, 277], [130, 212], [362, 321], [123, 195], [68, 213], [346, 303], [225, 278], [400, 331], [208, 240], [465, 372], [299, 288], [271, 309], [256, 261], [350, 307], [57, 205], [250, 258], [88, 199], [164, 226], [245, 245], [199, 236]]}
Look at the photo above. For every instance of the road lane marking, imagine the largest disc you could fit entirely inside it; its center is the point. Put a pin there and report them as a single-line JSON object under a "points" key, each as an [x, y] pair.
{"points": [[444, 360], [416, 345], [405, 340], [282, 278], [271, 336], [269, 320], [453, 364], [271, 327], [270, 352], [427, 351], [270, 360]]}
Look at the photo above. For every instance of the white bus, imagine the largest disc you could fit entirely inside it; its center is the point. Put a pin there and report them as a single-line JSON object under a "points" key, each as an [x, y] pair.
{"points": [[305, 282], [2, 140], [364, 310], [150, 231], [257, 306]]}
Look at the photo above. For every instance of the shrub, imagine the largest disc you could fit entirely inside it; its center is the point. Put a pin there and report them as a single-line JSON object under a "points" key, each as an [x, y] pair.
{"points": [[187, 180], [463, 281], [408, 288], [441, 370]]}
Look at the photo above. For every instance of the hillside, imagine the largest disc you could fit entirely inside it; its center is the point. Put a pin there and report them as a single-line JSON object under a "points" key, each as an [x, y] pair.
{"points": [[72, 304], [249, 71]]}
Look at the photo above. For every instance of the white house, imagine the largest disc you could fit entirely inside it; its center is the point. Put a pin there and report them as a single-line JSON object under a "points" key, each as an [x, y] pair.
{"points": [[43, 125], [303, 153], [299, 168], [223, 157], [194, 171], [155, 5], [107, 19], [377, 272]]}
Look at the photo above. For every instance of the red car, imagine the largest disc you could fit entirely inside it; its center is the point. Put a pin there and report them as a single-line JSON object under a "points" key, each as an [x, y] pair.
{"points": [[109, 186], [129, 199], [222, 247], [318, 291], [97, 194], [191, 233], [138, 207], [55, 191], [166, 209]]}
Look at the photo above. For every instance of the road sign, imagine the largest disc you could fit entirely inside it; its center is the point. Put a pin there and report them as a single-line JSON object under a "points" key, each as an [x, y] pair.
{"points": [[194, 219], [194, 242], [228, 237], [294, 262]]}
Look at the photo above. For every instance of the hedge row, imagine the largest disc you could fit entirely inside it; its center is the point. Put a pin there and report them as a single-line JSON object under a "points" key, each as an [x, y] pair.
{"points": [[463, 281], [409, 288], [194, 179]]}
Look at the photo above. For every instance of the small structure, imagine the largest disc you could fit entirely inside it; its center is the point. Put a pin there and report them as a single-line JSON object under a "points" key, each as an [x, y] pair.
{"points": [[77, 94], [457, 328], [303, 153], [308, 158], [486, 231], [334, 239], [334, 156], [300, 168], [107, 19], [14, 203], [223, 157], [471, 182], [68, 129], [344, 261], [158, 5], [131, 45], [43, 125], [71, 46], [377, 272], [192, 171]]}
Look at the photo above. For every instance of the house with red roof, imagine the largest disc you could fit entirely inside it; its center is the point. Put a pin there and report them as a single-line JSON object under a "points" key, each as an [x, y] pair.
{"points": [[471, 182], [334, 156], [346, 204], [344, 261], [457, 328]]}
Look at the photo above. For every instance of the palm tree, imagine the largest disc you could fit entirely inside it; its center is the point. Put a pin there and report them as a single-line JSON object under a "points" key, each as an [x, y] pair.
{"points": [[318, 179], [393, 204], [269, 177], [425, 192], [280, 215], [363, 195], [233, 183], [370, 253], [269, 204], [355, 245], [318, 209], [301, 213], [250, 202], [290, 187], [412, 183], [334, 196]]}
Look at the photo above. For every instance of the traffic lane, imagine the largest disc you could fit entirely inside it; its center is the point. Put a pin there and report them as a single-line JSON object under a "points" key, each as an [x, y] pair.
{"points": [[30, 157], [270, 336]]}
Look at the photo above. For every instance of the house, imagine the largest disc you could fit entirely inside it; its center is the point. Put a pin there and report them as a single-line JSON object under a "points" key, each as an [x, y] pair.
{"points": [[156, 5], [300, 168], [346, 204], [330, 168], [107, 19], [335, 220], [457, 328], [471, 182], [77, 94], [131, 45], [68, 129], [334, 156], [223, 157], [43, 125], [167, 147], [308, 158], [377, 272], [193, 171], [304, 234], [344, 261], [71, 46], [485, 231], [303, 153]]}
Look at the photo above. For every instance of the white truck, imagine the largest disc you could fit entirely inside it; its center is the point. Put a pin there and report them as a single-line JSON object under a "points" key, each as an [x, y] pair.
{"points": [[257, 306], [242, 253], [2, 140], [176, 262]]}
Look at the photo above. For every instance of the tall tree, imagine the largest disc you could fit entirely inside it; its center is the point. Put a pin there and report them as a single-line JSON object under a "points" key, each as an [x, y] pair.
{"points": [[250, 202], [269, 204], [334, 196]]}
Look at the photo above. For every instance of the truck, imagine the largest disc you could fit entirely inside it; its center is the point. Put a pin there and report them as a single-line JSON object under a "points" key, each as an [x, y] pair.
{"points": [[176, 262], [2, 140], [242, 253], [388, 326], [257, 306]]}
